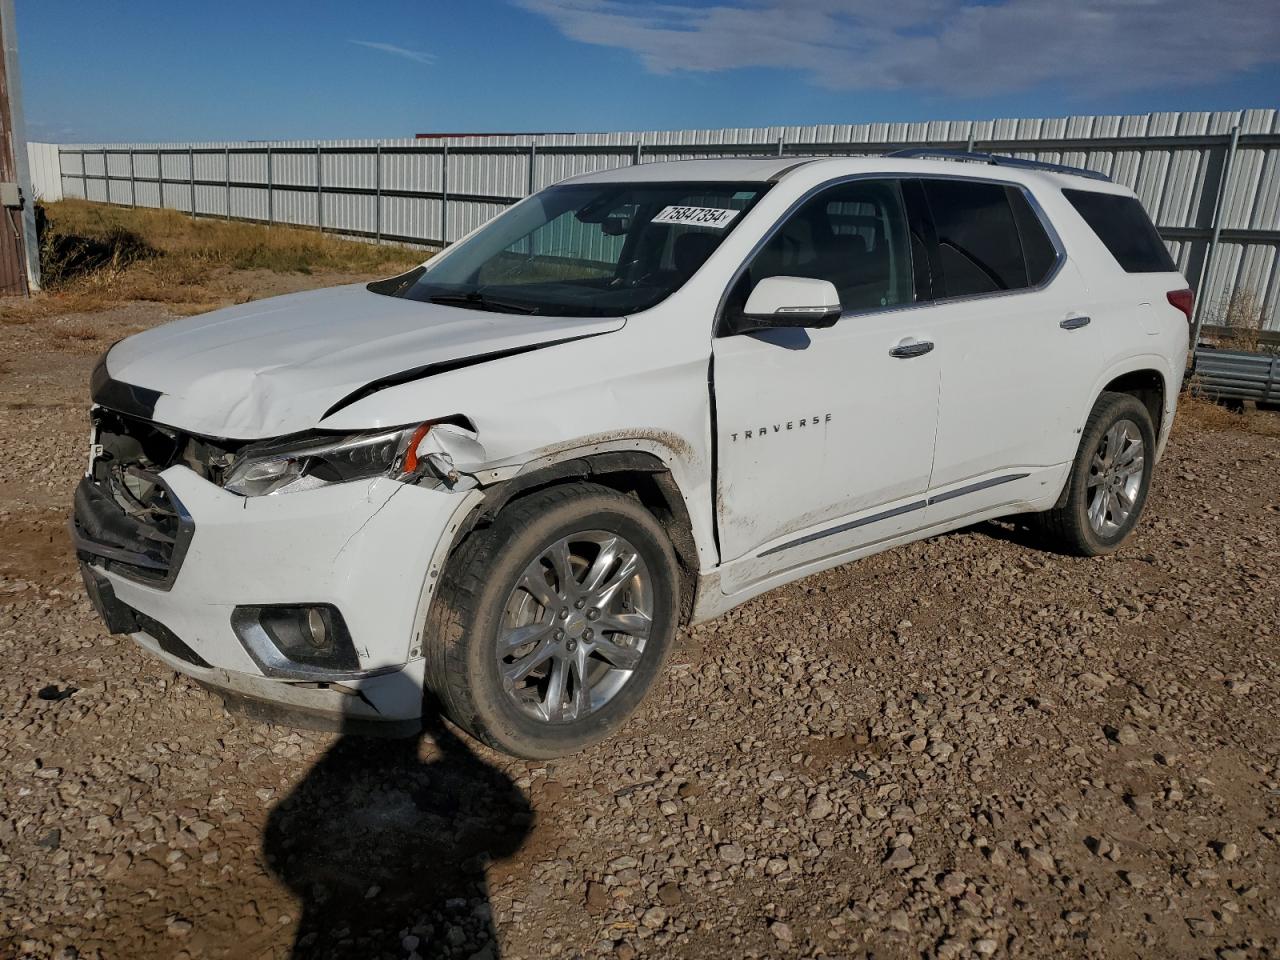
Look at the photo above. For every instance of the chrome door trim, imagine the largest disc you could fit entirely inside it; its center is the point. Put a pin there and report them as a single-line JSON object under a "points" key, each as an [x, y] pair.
{"points": [[895, 512]]}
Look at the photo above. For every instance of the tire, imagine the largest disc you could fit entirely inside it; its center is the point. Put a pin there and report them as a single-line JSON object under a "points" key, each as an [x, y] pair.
{"points": [[1069, 524], [487, 597]]}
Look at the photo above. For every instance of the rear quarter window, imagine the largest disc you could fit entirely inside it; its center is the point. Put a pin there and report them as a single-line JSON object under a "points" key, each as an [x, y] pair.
{"points": [[1124, 229]]}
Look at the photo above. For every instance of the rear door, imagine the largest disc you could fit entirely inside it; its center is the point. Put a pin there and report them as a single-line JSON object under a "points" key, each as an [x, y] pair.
{"points": [[1016, 349], [824, 438]]}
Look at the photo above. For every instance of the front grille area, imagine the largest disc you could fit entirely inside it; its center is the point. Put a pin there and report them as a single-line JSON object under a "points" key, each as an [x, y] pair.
{"points": [[126, 518]]}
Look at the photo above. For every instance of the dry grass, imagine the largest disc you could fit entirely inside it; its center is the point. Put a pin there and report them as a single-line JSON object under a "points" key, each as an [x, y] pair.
{"points": [[94, 257], [1201, 413], [1242, 316], [75, 331]]}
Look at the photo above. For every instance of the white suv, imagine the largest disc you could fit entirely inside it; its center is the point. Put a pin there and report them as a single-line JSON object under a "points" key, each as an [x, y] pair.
{"points": [[632, 401]]}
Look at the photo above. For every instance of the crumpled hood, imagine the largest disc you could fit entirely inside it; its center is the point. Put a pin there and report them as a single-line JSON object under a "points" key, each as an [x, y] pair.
{"points": [[275, 366]]}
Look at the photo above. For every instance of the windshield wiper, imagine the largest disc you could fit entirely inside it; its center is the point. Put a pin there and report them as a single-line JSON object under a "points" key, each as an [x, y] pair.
{"points": [[475, 300]]}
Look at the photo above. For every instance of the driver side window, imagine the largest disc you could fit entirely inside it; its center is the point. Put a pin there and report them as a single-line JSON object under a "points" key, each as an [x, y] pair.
{"points": [[854, 235]]}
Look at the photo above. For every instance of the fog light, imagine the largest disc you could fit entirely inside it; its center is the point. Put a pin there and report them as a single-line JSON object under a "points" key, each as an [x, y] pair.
{"points": [[317, 633], [295, 641]]}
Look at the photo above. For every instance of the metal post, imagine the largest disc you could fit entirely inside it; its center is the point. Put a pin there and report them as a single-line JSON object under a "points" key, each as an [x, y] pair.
{"points": [[271, 213], [133, 182], [191, 169], [106, 178], [444, 195], [969, 146], [533, 166], [639, 152], [1213, 240], [377, 192], [226, 168], [17, 161], [319, 190], [780, 140], [84, 175], [160, 176]]}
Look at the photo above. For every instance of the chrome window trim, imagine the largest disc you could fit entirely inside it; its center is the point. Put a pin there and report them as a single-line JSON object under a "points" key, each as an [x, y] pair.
{"points": [[1054, 238]]}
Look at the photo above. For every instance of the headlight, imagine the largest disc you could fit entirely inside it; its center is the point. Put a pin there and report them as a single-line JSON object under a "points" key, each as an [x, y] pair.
{"points": [[316, 461]]}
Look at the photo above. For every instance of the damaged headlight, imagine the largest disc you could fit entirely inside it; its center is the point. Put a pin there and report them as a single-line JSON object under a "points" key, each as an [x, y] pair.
{"points": [[304, 464]]}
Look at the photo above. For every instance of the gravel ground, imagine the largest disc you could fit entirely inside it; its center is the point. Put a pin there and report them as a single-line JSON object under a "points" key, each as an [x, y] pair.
{"points": [[966, 747]]}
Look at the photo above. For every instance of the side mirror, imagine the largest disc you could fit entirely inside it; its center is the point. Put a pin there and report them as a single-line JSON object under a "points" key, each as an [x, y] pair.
{"points": [[792, 302]]}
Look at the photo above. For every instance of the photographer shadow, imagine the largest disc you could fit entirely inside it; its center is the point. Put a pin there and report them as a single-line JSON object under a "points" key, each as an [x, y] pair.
{"points": [[387, 852]]}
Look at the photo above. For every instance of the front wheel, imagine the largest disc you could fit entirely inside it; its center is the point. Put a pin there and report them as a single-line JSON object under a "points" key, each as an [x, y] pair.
{"points": [[552, 624], [1107, 488]]}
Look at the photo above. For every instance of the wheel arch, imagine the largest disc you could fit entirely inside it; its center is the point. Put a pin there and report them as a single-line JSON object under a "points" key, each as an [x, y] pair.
{"points": [[1148, 386], [1147, 377], [638, 474]]}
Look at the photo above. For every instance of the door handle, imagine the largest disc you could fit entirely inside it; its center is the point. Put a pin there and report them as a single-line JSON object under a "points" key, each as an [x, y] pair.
{"points": [[913, 348], [1074, 323]]}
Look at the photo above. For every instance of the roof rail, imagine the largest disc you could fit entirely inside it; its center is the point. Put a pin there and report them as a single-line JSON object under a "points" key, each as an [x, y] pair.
{"points": [[940, 153]]}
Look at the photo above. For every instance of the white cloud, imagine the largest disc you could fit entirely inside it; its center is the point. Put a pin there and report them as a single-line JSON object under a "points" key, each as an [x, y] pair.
{"points": [[948, 46], [418, 56]]}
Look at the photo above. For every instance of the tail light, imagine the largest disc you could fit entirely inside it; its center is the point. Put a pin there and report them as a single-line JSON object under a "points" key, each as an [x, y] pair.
{"points": [[1184, 300]]}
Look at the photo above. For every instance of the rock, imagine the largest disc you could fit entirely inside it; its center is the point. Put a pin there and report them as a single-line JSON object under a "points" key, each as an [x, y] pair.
{"points": [[1125, 734], [952, 884], [597, 900], [1042, 860], [670, 894], [731, 853], [1140, 803], [819, 808], [654, 918], [900, 858], [781, 931], [178, 927], [1229, 852]]}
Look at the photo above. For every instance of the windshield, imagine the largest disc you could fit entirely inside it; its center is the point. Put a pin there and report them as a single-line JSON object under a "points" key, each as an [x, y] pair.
{"points": [[585, 250]]}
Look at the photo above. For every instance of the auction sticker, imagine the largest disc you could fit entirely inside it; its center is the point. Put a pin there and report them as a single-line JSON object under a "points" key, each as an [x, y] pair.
{"points": [[697, 216]]}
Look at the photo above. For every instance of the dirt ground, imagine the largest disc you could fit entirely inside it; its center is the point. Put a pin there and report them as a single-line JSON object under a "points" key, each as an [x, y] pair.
{"points": [[964, 748]]}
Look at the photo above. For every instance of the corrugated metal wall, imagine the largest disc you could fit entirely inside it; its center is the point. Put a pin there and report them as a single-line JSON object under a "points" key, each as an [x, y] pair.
{"points": [[433, 191], [46, 177]]}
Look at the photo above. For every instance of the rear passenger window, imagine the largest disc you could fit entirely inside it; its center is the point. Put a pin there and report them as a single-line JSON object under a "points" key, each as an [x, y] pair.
{"points": [[1124, 229], [989, 238]]}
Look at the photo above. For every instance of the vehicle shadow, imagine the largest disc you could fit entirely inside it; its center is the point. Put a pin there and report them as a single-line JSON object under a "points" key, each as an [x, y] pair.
{"points": [[387, 852]]}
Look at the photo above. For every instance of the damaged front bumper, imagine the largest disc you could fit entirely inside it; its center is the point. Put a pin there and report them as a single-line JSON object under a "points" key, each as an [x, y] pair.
{"points": [[369, 549]]}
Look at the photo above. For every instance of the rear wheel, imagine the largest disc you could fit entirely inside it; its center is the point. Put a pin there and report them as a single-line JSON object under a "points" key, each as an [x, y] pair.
{"points": [[552, 624], [1107, 488]]}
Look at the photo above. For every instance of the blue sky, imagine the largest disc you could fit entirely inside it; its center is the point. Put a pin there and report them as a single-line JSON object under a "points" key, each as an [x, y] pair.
{"points": [[228, 69]]}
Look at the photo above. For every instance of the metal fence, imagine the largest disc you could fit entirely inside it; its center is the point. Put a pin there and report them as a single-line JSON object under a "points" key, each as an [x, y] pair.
{"points": [[1211, 181]]}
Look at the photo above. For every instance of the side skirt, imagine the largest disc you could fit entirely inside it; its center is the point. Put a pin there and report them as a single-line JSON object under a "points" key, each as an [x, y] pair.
{"points": [[711, 601]]}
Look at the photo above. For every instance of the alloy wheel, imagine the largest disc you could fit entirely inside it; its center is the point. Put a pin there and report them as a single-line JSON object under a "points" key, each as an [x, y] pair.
{"points": [[1116, 472], [574, 627]]}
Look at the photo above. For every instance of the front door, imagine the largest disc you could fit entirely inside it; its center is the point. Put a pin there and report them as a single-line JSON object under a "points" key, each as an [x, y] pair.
{"points": [[825, 436]]}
